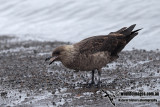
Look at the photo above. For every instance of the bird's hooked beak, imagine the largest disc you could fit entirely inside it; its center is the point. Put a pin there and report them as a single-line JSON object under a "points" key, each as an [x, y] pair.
{"points": [[51, 59]]}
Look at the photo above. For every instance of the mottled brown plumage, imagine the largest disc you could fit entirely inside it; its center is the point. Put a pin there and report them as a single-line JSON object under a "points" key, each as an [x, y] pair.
{"points": [[95, 52]]}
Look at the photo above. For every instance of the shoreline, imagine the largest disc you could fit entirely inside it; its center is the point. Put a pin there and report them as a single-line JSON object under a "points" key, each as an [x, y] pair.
{"points": [[25, 74]]}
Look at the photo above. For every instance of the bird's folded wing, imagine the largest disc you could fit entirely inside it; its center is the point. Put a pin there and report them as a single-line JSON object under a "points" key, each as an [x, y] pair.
{"points": [[113, 43], [98, 44]]}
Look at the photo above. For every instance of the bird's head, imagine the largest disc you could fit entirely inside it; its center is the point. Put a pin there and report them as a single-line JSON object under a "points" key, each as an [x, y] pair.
{"points": [[59, 53]]}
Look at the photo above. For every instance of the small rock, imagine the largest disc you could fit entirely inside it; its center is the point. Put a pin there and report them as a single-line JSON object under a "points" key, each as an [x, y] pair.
{"points": [[3, 94]]}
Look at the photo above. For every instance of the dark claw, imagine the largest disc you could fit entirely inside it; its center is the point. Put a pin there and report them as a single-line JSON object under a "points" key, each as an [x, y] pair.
{"points": [[48, 58]]}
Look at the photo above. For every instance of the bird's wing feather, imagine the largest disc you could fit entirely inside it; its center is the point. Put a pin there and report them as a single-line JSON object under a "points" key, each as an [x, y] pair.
{"points": [[99, 44], [113, 43]]}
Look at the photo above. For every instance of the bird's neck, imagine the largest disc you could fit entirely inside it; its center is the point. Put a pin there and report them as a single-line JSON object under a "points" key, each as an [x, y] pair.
{"points": [[69, 54]]}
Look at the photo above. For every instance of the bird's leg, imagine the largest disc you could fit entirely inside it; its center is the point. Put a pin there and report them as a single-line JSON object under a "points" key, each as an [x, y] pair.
{"points": [[92, 82], [99, 77]]}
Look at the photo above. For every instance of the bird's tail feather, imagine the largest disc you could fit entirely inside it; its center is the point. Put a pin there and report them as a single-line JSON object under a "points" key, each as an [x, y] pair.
{"points": [[136, 31], [128, 31], [132, 35], [129, 34]]}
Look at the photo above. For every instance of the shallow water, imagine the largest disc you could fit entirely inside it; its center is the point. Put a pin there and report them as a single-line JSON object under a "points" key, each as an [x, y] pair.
{"points": [[72, 20]]}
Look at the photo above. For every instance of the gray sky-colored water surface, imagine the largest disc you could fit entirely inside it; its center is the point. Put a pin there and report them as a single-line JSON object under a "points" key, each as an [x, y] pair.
{"points": [[74, 20]]}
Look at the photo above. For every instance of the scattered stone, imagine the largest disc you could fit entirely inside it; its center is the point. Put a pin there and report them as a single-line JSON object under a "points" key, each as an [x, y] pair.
{"points": [[25, 70], [3, 94]]}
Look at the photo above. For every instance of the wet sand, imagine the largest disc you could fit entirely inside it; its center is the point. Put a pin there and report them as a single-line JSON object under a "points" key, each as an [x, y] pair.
{"points": [[26, 80]]}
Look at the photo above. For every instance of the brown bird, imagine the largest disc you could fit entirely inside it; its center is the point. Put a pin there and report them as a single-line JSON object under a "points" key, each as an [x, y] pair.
{"points": [[95, 52]]}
